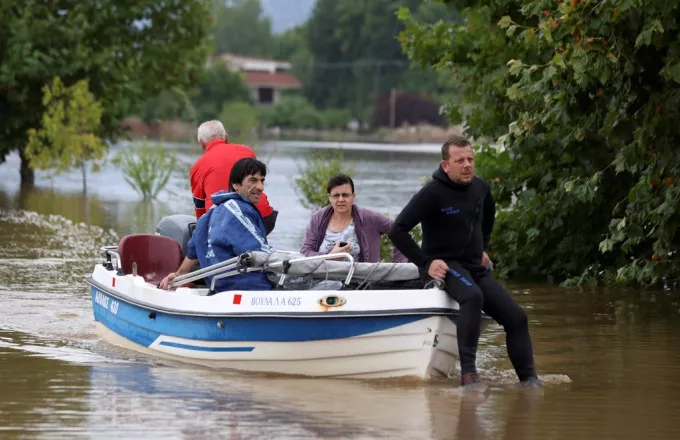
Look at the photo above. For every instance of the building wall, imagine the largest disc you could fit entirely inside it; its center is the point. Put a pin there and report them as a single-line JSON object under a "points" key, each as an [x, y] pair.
{"points": [[255, 92]]}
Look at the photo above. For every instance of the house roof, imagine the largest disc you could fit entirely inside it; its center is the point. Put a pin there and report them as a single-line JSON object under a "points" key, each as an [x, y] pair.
{"points": [[279, 80], [241, 62]]}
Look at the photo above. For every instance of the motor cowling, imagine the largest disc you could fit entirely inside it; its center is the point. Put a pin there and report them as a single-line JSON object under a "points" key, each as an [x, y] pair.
{"points": [[179, 227]]}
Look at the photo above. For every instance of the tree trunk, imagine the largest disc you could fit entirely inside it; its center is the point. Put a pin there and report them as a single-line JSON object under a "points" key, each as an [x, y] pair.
{"points": [[25, 171], [83, 168]]}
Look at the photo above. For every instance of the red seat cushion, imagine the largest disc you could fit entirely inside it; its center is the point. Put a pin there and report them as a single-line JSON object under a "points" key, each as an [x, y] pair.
{"points": [[155, 255]]}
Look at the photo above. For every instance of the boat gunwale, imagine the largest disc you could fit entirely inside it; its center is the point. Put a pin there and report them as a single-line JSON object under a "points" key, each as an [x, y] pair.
{"points": [[432, 311]]}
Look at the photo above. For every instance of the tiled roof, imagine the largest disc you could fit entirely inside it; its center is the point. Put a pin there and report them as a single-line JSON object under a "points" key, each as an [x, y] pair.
{"points": [[282, 80]]}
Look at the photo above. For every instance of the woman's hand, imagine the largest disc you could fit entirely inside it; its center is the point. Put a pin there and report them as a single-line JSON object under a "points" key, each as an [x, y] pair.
{"points": [[338, 249]]}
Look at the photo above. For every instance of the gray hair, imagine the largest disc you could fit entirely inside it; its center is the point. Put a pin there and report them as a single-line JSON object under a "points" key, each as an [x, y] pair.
{"points": [[211, 130]]}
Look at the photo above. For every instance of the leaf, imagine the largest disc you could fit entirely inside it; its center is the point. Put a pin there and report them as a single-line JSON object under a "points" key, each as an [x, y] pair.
{"points": [[558, 60], [606, 245], [403, 14], [619, 163], [513, 92], [505, 21], [516, 67], [544, 26], [532, 233], [645, 37], [621, 225]]}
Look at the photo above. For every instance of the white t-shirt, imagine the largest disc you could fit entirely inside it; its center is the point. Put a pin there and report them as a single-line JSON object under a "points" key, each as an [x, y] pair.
{"points": [[348, 235]]}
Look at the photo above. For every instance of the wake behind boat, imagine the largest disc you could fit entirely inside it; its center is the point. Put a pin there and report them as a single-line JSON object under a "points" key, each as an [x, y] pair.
{"points": [[324, 318]]}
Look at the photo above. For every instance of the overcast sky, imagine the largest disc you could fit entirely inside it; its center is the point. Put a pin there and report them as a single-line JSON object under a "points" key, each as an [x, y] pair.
{"points": [[286, 14]]}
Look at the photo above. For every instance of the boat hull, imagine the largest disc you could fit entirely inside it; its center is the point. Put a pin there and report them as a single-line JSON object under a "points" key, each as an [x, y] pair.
{"points": [[366, 344]]}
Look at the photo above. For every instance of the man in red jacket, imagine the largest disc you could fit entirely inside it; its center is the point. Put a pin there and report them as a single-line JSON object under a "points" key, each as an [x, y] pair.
{"points": [[211, 171]]}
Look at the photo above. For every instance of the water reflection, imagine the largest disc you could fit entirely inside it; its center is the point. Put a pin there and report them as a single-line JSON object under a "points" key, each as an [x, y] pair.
{"points": [[251, 406], [40, 395], [111, 396]]}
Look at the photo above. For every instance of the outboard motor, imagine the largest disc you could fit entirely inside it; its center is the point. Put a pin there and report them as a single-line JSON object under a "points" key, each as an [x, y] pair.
{"points": [[179, 227]]}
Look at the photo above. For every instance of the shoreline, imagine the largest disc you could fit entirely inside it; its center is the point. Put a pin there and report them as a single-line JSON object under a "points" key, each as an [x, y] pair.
{"points": [[179, 131]]}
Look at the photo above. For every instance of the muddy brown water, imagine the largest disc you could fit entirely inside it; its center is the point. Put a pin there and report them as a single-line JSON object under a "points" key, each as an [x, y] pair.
{"points": [[610, 358]]}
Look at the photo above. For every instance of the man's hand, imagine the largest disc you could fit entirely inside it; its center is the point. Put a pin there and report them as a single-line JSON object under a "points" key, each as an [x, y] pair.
{"points": [[164, 284], [485, 260], [438, 270]]}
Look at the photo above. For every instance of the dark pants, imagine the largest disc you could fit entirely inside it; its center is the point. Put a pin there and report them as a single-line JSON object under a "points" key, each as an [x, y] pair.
{"points": [[478, 291]]}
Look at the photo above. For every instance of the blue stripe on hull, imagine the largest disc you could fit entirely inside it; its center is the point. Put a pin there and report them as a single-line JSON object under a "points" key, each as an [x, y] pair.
{"points": [[134, 323], [200, 348]]}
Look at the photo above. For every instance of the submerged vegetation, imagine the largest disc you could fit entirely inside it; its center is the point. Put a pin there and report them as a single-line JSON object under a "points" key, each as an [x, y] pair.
{"points": [[146, 167], [314, 174]]}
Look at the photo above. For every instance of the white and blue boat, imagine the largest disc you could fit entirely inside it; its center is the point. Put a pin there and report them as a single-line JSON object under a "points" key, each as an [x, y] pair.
{"points": [[324, 318]]}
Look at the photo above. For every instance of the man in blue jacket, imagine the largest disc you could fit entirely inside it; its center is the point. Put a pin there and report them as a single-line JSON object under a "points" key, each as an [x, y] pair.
{"points": [[231, 227]]}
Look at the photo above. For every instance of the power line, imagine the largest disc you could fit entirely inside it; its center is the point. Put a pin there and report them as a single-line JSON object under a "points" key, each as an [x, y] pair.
{"points": [[366, 62]]}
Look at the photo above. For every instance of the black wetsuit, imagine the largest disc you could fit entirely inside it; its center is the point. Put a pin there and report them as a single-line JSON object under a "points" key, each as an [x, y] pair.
{"points": [[457, 221]]}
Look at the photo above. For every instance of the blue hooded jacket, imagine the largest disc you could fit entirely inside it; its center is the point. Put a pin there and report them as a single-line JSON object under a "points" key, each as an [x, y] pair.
{"points": [[231, 227]]}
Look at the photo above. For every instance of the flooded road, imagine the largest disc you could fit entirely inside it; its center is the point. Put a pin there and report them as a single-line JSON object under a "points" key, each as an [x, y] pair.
{"points": [[610, 358]]}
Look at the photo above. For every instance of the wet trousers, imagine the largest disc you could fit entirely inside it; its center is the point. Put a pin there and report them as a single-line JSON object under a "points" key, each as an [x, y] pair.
{"points": [[477, 292]]}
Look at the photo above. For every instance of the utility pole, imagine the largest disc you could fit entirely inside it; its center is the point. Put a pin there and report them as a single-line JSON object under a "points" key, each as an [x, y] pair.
{"points": [[393, 107]]}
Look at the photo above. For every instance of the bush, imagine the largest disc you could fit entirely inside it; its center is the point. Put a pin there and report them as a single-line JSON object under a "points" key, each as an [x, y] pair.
{"points": [[295, 112], [147, 168], [240, 120], [336, 118]]}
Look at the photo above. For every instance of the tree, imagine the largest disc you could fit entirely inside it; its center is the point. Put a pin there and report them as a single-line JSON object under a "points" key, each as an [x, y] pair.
{"points": [[583, 98], [127, 51], [242, 28], [67, 138], [355, 54], [218, 86], [291, 46], [240, 120]]}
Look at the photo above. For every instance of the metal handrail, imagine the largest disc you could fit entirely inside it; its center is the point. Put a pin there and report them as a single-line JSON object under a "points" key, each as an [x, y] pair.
{"points": [[208, 271], [232, 273], [345, 255], [225, 269], [211, 270], [112, 250]]}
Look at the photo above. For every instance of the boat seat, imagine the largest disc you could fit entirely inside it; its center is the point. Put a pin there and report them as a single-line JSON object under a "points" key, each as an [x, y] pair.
{"points": [[155, 255]]}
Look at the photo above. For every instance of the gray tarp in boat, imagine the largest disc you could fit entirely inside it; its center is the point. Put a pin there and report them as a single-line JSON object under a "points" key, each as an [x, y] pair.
{"points": [[333, 270]]}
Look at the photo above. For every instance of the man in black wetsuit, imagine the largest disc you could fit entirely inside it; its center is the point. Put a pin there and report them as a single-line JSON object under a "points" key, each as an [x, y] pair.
{"points": [[457, 213]]}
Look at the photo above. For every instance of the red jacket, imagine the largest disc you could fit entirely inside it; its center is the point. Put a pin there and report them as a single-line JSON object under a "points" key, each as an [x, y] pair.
{"points": [[211, 172]]}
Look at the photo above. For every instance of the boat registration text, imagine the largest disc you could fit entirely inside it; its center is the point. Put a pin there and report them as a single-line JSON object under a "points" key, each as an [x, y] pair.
{"points": [[106, 302], [275, 301]]}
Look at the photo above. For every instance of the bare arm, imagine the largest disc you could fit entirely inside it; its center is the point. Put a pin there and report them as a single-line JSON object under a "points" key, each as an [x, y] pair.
{"points": [[187, 266]]}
